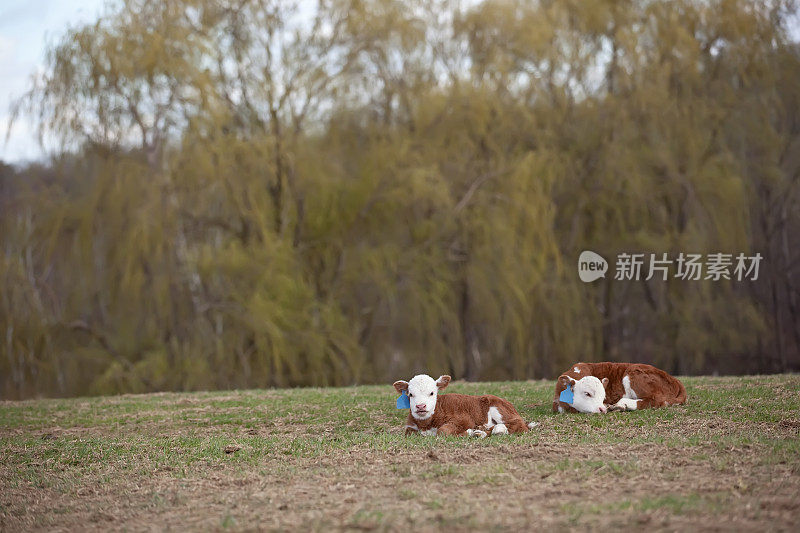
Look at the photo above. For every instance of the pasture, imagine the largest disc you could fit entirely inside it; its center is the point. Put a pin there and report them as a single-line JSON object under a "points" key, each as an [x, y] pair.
{"points": [[336, 459]]}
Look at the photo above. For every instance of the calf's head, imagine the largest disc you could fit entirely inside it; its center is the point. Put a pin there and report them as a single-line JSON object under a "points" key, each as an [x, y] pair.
{"points": [[588, 393], [422, 392]]}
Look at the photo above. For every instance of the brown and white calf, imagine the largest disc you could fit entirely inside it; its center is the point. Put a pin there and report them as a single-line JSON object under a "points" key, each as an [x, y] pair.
{"points": [[597, 387], [457, 414]]}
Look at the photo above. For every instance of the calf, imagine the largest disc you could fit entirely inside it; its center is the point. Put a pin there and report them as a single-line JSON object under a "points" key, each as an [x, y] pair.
{"points": [[456, 414], [597, 387]]}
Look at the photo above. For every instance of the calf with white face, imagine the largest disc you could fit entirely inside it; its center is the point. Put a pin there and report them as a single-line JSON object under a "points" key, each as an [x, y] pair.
{"points": [[611, 386], [456, 414], [588, 394]]}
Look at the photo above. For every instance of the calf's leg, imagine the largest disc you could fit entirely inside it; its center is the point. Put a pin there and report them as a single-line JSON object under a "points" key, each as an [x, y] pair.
{"points": [[627, 404], [460, 429], [516, 425], [503, 419]]}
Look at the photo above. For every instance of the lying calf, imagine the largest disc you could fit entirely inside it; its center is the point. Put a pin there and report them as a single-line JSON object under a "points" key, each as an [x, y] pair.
{"points": [[456, 414], [588, 387]]}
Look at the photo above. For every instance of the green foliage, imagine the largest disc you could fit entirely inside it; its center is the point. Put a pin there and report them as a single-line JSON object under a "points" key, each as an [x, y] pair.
{"points": [[351, 191]]}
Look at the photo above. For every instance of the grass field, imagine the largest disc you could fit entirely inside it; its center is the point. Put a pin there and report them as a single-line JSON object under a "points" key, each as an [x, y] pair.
{"points": [[334, 459]]}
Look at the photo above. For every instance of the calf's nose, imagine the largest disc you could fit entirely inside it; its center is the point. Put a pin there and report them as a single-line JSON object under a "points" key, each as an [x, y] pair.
{"points": [[421, 406], [602, 408]]}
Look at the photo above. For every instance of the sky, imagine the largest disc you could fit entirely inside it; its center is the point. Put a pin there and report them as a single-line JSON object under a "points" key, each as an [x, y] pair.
{"points": [[26, 29]]}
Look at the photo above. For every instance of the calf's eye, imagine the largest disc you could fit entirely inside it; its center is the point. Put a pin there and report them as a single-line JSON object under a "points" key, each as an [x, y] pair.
{"points": [[431, 394], [589, 395]]}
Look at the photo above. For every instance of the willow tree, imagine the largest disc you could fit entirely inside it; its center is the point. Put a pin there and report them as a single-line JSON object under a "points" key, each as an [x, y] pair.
{"points": [[262, 193], [138, 91]]}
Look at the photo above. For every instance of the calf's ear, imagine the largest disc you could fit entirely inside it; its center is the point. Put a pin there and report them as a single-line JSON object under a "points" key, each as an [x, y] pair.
{"points": [[566, 380], [443, 381], [605, 383], [400, 386]]}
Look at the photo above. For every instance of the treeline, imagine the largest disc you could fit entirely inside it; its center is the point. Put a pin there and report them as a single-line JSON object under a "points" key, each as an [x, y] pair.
{"points": [[249, 193]]}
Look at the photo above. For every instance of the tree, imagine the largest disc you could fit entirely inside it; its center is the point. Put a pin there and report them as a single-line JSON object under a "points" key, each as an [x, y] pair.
{"points": [[260, 193]]}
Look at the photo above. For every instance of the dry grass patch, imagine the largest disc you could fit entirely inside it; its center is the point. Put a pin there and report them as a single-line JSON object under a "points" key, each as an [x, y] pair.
{"points": [[336, 459]]}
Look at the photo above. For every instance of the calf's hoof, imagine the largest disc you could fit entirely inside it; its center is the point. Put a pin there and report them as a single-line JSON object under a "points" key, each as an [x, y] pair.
{"points": [[477, 433], [500, 429]]}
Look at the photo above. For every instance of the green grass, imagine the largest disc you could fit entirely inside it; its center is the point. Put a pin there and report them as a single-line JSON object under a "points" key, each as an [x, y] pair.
{"points": [[180, 430], [743, 427]]}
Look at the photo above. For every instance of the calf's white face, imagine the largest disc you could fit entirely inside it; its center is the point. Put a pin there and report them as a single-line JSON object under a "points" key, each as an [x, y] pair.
{"points": [[589, 393], [422, 392]]}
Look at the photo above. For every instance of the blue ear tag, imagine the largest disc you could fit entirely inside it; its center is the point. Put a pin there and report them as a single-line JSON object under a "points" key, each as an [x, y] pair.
{"points": [[403, 402], [566, 396]]}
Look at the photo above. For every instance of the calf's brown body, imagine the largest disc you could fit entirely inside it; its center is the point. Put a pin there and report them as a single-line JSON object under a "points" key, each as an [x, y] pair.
{"points": [[457, 413]]}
